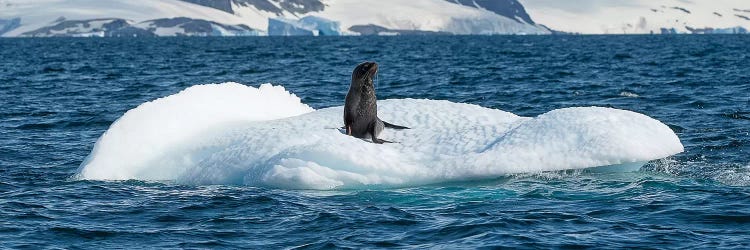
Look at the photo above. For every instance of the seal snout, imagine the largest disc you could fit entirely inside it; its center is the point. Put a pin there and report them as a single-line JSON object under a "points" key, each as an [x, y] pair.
{"points": [[366, 68], [372, 67]]}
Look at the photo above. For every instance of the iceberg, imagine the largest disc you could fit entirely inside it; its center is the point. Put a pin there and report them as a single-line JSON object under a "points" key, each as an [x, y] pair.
{"points": [[306, 26], [731, 30], [235, 134], [324, 26], [278, 26]]}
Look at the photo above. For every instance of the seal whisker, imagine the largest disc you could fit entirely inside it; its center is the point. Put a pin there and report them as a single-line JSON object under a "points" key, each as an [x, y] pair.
{"points": [[368, 74]]}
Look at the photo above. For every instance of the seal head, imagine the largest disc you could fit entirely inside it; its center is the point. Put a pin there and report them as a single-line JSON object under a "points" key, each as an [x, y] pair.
{"points": [[360, 107]]}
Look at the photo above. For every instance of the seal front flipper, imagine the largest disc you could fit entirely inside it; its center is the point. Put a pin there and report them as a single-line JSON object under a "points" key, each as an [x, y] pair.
{"points": [[394, 126]]}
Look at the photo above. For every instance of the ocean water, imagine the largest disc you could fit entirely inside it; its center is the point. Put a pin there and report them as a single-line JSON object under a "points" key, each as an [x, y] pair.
{"points": [[59, 95]]}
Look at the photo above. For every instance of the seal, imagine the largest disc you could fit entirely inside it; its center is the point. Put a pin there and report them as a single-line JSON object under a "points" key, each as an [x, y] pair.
{"points": [[360, 107]]}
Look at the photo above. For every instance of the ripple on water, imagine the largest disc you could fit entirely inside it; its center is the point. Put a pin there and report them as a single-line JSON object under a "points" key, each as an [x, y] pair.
{"points": [[60, 95]]}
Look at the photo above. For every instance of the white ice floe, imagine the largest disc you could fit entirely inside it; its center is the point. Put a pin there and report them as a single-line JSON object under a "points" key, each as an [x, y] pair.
{"points": [[234, 134]]}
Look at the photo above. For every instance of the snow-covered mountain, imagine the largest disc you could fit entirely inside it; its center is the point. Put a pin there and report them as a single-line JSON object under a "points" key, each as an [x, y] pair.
{"points": [[642, 16], [43, 18], [259, 17], [449, 16], [107, 17]]}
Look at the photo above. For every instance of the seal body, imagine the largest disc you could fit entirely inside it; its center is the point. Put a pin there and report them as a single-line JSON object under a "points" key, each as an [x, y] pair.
{"points": [[360, 107]]}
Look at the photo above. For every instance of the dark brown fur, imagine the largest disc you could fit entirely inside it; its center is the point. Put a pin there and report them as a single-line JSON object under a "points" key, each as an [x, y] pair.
{"points": [[360, 107]]}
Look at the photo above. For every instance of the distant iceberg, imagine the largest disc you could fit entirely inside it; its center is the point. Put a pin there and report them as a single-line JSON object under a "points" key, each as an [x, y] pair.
{"points": [[732, 30], [709, 30], [306, 26]]}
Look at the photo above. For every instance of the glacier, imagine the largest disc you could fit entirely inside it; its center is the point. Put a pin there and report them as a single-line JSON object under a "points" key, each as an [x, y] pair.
{"points": [[230, 133], [9, 24]]}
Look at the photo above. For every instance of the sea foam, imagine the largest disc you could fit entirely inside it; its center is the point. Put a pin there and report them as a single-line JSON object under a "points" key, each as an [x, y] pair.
{"points": [[234, 134]]}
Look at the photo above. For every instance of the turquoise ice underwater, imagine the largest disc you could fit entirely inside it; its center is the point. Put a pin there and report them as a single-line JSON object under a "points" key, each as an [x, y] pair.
{"points": [[230, 133]]}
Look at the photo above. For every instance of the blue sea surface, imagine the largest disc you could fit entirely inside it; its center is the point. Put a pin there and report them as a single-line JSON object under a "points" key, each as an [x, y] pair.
{"points": [[59, 95]]}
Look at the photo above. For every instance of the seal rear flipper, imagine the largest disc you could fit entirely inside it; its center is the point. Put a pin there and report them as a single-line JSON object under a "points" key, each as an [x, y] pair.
{"points": [[393, 126], [380, 141], [377, 140], [375, 128]]}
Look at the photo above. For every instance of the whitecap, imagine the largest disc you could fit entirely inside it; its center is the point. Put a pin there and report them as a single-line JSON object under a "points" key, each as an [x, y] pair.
{"points": [[629, 94]]}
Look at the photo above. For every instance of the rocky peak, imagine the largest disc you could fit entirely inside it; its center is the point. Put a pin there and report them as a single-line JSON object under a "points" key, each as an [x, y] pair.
{"points": [[509, 8], [274, 6]]}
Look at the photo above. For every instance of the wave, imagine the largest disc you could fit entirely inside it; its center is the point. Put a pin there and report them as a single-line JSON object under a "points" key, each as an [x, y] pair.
{"points": [[234, 134]]}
